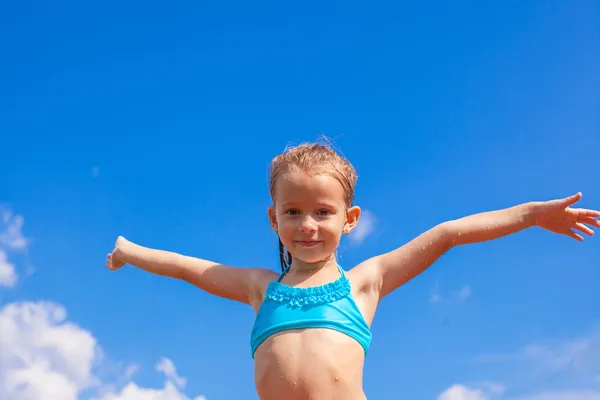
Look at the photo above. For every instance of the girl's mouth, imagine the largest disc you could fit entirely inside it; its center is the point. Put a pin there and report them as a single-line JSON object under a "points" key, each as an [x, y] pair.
{"points": [[307, 243]]}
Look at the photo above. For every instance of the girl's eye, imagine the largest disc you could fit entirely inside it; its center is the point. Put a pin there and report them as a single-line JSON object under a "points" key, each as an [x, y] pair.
{"points": [[294, 211]]}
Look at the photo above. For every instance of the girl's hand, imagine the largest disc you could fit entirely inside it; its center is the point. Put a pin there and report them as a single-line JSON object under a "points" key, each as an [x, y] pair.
{"points": [[114, 260], [557, 216]]}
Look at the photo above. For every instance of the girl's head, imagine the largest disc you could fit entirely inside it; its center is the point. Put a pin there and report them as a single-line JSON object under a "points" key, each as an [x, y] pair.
{"points": [[312, 188]]}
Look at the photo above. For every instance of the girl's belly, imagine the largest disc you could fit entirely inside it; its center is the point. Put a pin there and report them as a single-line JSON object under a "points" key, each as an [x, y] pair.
{"points": [[315, 364]]}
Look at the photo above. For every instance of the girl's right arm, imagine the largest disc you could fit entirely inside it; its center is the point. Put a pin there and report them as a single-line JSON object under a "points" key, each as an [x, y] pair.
{"points": [[246, 285]]}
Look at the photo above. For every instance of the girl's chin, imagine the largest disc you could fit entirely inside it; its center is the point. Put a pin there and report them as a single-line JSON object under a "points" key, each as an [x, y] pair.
{"points": [[311, 257]]}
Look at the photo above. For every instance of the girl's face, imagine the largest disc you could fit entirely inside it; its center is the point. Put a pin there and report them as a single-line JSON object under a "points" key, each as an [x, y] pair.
{"points": [[310, 215]]}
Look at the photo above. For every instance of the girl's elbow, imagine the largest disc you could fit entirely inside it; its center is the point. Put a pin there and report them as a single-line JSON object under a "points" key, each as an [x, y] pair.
{"points": [[448, 235], [180, 269]]}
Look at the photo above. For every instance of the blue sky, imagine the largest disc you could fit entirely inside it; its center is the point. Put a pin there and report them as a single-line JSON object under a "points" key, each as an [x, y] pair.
{"points": [[158, 123]]}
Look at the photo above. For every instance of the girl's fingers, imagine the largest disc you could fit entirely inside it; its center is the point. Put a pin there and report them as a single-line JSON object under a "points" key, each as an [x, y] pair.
{"points": [[584, 228], [569, 201], [590, 221], [583, 212], [574, 235]]}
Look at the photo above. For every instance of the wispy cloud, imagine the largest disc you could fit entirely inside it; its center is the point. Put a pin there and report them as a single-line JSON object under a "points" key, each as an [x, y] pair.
{"points": [[461, 392], [578, 357], [134, 392], [170, 391], [11, 231], [562, 395], [167, 367], [8, 275], [11, 239], [365, 226], [130, 371], [572, 365], [464, 293], [435, 297]]}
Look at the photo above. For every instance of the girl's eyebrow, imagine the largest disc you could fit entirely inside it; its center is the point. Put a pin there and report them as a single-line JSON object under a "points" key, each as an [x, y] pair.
{"points": [[316, 205]]}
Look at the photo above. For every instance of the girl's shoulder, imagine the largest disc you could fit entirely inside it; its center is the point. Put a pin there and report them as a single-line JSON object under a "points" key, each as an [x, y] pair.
{"points": [[264, 275], [365, 277], [259, 281]]}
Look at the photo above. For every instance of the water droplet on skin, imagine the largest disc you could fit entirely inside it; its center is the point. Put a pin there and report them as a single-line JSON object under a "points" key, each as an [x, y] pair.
{"points": [[423, 248]]}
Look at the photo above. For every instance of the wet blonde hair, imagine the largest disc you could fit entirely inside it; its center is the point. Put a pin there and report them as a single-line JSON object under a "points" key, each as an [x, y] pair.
{"points": [[313, 158]]}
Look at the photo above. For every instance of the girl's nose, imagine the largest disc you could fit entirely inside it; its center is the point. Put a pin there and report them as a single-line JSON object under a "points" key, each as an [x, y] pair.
{"points": [[308, 225]]}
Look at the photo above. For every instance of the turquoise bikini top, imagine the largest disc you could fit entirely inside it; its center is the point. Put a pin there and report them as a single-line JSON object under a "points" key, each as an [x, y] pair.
{"points": [[326, 306]]}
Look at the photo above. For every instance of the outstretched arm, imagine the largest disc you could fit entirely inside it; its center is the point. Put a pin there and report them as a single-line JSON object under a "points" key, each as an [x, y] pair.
{"points": [[399, 266], [240, 284]]}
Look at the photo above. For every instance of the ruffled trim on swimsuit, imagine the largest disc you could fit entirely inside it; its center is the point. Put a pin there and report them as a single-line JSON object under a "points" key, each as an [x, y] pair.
{"points": [[298, 297]]}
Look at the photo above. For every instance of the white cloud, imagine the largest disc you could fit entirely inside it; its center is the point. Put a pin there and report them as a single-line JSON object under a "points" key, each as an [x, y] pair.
{"points": [[134, 392], [8, 276], [460, 392], [171, 390], [365, 226], [43, 356], [167, 367], [11, 235]]}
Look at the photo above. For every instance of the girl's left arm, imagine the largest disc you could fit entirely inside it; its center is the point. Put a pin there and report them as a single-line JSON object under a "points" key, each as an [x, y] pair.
{"points": [[401, 265]]}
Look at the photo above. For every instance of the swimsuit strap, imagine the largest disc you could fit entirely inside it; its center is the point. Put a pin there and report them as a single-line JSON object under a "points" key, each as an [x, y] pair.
{"points": [[286, 269], [341, 270]]}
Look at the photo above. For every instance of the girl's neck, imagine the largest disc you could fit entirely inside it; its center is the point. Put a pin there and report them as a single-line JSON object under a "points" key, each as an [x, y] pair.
{"points": [[300, 267]]}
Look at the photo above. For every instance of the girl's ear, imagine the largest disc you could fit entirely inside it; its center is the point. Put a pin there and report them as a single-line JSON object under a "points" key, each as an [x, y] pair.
{"points": [[352, 217], [272, 218]]}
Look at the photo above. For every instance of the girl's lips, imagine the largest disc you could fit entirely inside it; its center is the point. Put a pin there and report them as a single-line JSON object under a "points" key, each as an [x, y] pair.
{"points": [[308, 243]]}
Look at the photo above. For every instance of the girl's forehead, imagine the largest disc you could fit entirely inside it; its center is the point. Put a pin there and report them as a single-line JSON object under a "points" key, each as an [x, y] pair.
{"points": [[300, 186]]}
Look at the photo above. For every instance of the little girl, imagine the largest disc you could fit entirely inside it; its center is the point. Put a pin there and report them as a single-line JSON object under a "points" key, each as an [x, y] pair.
{"points": [[312, 328]]}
